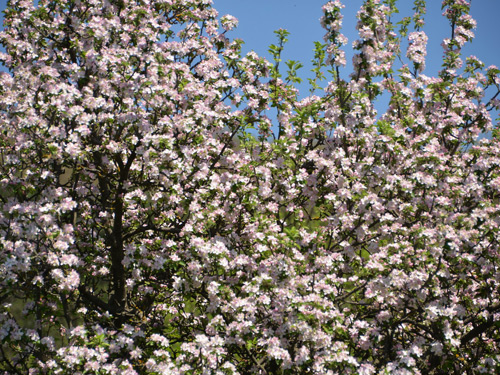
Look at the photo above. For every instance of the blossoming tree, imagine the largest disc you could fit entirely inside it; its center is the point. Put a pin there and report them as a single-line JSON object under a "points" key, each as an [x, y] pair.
{"points": [[154, 219]]}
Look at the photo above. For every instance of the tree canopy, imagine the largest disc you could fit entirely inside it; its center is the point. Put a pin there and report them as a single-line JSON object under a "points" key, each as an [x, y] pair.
{"points": [[154, 219]]}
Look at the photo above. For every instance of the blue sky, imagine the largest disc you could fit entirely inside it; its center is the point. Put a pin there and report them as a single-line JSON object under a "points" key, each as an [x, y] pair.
{"points": [[259, 18]]}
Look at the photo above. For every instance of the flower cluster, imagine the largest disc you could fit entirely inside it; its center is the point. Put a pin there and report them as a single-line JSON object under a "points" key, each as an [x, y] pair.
{"points": [[332, 22], [417, 49]]}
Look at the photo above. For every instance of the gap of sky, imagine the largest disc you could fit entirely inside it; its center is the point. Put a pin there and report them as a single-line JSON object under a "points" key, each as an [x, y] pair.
{"points": [[259, 18]]}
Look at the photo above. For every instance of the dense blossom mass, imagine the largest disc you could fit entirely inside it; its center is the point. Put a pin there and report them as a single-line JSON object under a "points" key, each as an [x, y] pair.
{"points": [[155, 219]]}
